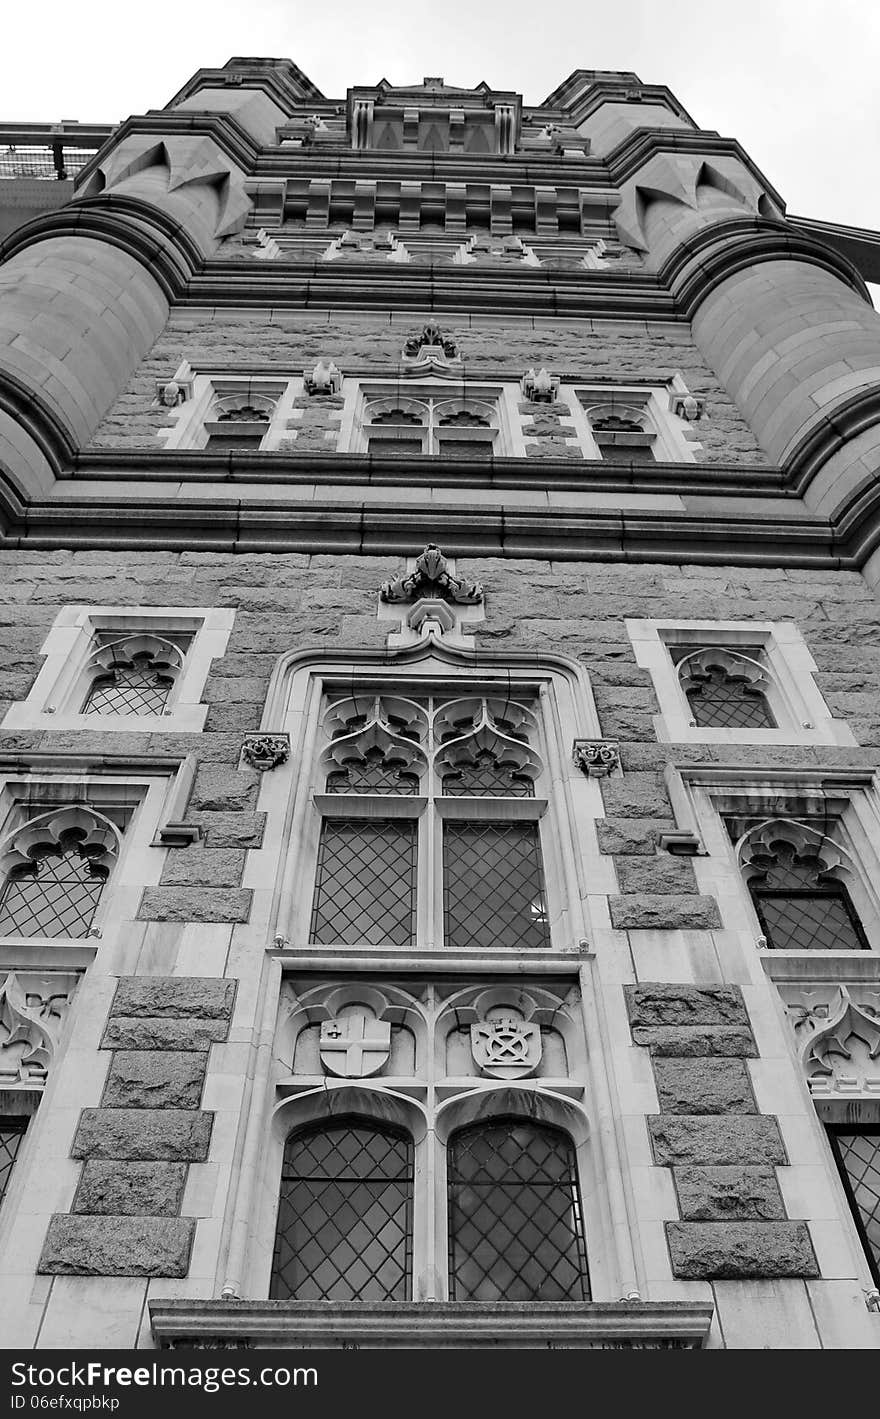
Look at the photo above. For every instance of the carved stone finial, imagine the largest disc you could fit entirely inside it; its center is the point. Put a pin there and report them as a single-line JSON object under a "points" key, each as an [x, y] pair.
{"points": [[431, 575], [596, 757], [325, 378], [541, 387], [430, 344], [266, 751]]}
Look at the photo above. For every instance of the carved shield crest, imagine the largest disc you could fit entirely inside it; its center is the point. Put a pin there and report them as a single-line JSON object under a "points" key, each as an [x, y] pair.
{"points": [[355, 1047], [506, 1047]]}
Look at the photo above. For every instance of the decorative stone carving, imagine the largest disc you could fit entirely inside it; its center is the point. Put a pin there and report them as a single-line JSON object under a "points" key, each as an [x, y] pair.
{"points": [[540, 388], [430, 345], [695, 668], [838, 1034], [757, 847], [505, 1046], [688, 406], [355, 1047], [92, 835], [325, 378], [171, 394], [266, 751], [432, 576], [596, 757], [32, 1012]]}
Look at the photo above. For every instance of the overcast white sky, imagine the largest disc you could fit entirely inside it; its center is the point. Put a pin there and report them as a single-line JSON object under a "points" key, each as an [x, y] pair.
{"points": [[796, 81]]}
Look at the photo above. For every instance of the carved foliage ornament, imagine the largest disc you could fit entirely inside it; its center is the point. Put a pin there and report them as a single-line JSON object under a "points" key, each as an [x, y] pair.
{"points": [[32, 1011], [432, 576], [839, 1039], [540, 387], [266, 751], [325, 378], [430, 343]]}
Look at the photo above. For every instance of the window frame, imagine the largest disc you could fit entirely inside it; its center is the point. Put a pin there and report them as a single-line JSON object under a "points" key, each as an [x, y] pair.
{"points": [[800, 711], [872, 1130], [58, 697]]}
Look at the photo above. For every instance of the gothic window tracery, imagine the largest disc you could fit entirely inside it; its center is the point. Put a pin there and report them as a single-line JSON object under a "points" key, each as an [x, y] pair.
{"points": [[445, 755], [725, 687], [133, 675], [796, 875], [455, 426], [55, 867], [622, 435]]}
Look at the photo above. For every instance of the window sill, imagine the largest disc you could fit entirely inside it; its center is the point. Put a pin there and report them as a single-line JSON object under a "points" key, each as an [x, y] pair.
{"points": [[821, 965], [333, 1325]]}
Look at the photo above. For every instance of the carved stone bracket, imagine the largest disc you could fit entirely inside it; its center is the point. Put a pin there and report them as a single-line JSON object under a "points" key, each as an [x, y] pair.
{"points": [[325, 378], [688, 406], [432, 576], [430, 345], [540, 387], [596, 757], [266, 751]]}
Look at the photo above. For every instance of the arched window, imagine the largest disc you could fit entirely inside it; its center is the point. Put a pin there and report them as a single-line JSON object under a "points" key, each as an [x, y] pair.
{"points": [[725, 688], [801, 902], [515, 1216], [133, 675], [56, 867], [344, 1230]]}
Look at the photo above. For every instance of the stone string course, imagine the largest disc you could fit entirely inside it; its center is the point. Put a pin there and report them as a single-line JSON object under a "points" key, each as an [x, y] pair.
{"points": [[137, 1145]]}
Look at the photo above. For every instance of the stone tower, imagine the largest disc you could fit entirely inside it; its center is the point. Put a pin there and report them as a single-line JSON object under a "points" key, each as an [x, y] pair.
{"points": [[440, 653]]}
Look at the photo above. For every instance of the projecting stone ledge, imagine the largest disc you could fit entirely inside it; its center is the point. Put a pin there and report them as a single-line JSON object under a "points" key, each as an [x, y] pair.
{"points": [[395, 1325], [703, 1251], [117, 1246], [696, 1041]]}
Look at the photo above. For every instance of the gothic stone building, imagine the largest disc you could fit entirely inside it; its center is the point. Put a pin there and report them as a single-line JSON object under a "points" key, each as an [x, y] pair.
{"points": [[440, 651]]}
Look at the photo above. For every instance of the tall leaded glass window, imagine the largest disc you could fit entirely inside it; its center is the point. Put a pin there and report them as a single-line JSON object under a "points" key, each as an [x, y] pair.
{"points": [[410, 786], [801, 902], [857, 1152], [515, 1217], [725, 687], [344, 1229], [12, 1131]]}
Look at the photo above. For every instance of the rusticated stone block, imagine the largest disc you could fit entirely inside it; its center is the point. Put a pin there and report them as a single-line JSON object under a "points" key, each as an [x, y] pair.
{"points": [[703, 1251], [660, 1003], [204, 867], [152, 1079], [145, 1032], [696, 1041], [631, 835], [666, 913], [117, 1246], [655, 874], [231, 904], [728, 1194], [130, 1189], [704, 1086], [143, 1135], [244, 830], [679, 1138], [178, 997], [222, 790], [636, 795]]}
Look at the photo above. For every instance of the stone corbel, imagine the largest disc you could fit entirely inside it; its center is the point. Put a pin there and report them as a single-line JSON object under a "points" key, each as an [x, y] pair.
{"points": [[541, 387], [596, 757], [266, 751], [432, 575], [325, 378], [173, 830], [690, 407]]}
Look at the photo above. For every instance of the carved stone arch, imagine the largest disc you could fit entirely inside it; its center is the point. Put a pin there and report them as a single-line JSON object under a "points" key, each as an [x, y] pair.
{"points": [[79, 828], [396, 409], [697, 665], [324, 1002], [138, 654], [250, 407], [805, 841], [332, 1102], [447, 409], [526, 1100], [849, 1033], [383, 731], [618, 416]]}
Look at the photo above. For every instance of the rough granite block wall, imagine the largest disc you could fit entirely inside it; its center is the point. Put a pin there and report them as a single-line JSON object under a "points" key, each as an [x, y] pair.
{"points": [[291, 343]]}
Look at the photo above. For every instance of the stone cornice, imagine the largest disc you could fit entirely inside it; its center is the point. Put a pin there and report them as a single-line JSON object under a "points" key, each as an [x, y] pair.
{"points": [[225, 130], [142, 230], [625, 161], [366, 164], [424, 1325], [281, 79], [32, 414], [701, 262]]}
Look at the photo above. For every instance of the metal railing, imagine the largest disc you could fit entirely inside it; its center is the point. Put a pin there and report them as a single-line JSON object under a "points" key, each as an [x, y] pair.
{"points": [[49, 152]]}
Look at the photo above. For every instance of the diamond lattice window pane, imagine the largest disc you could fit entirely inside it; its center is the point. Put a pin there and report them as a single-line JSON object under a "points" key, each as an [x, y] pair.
{"points": [[515, 1228], [493, 886], [487, 778], [129, 690], [823, 920], [859, 1158], [725, 701], [58, 899], [375, 773], [365, 887], [12, 1132], [345, 1216]]}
